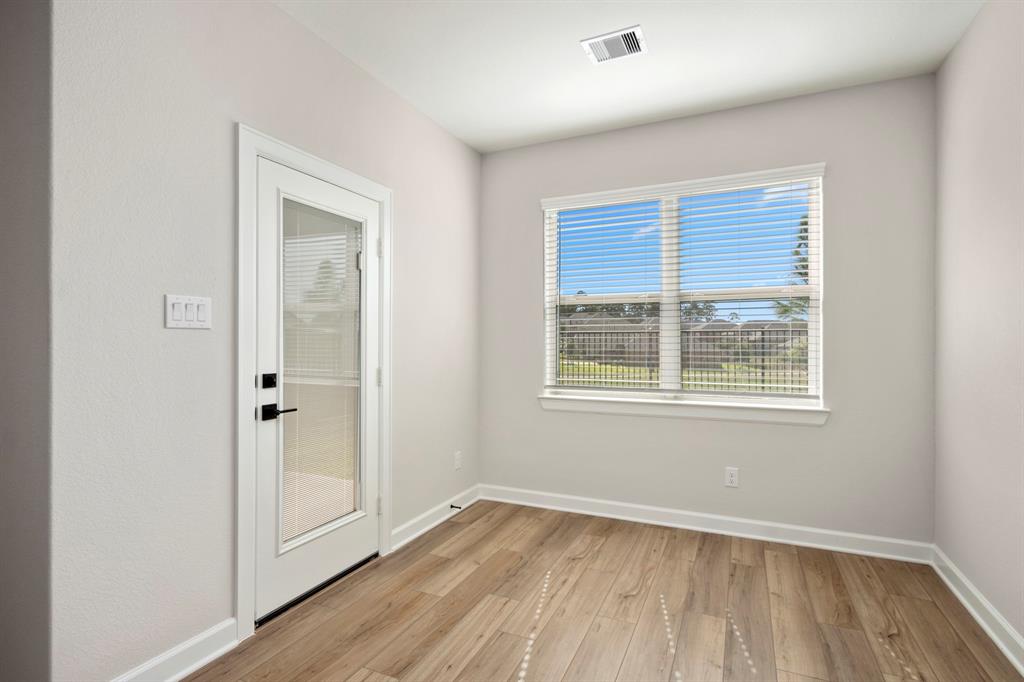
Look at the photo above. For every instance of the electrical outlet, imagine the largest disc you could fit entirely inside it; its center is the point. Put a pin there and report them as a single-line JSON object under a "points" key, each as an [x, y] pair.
{"points": [[458, 459], [732, 477]]}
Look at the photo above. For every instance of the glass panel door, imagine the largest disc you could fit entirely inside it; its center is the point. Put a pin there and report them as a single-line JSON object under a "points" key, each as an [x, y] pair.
{"points": [[320, 322]]}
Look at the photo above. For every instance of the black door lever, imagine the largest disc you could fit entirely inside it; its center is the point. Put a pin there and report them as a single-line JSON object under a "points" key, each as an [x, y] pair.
{"points": [[270, 411]]}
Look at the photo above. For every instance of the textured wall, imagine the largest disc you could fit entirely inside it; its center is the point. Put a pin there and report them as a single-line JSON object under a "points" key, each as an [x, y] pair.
{"points": [[979, 495], [869, 469], [25, 339], [146, 100]]}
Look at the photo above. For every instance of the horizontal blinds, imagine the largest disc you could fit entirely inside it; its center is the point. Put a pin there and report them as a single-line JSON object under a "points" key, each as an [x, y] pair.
{"points": [[716, 291], [320, 298], [595, 253], [320, 318]]}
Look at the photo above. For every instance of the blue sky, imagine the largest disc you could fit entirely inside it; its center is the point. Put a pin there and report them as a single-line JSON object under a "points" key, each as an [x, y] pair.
{"points": [[727, 239]]}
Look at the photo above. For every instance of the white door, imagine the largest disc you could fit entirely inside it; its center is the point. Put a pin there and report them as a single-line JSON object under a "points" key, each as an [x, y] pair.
{"points": [[317, 462]]}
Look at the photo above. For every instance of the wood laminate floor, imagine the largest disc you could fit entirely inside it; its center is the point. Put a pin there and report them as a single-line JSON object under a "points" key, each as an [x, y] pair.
{"points": [[509, 593]]}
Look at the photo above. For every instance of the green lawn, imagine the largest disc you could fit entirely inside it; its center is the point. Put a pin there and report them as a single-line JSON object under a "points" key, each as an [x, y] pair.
{"points": [[587, 373], [731, 377]]}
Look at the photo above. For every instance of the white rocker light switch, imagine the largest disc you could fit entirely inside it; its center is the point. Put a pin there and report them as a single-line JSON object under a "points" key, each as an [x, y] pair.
{"points": [[187, 312]]}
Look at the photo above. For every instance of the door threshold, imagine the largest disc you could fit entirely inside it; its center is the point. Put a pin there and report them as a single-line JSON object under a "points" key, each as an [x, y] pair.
{"points": [[309, 593]]}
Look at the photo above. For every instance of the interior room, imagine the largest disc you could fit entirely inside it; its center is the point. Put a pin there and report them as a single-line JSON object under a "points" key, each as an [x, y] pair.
{"points": [[512, 340]]}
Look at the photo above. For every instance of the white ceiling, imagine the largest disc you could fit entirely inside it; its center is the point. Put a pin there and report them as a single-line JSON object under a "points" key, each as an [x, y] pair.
{"points": [[501, 74]]}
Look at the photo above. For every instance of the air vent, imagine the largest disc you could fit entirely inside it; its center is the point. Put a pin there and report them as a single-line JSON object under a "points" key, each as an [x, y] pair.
{"points": [[621, 43]]}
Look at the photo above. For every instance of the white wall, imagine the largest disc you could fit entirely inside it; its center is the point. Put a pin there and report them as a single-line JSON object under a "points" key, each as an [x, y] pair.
{"points": [[869, 469], [979, 500], [25, 339], [146, 100]]}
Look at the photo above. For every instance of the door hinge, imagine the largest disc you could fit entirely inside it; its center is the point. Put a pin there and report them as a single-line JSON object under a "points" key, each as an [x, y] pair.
{"points": [[380, 247], [380, 377], [359, 260], [380, 506]]}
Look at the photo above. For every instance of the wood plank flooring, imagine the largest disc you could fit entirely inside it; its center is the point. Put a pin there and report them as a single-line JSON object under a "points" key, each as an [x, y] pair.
{"points": [[507, 593]]}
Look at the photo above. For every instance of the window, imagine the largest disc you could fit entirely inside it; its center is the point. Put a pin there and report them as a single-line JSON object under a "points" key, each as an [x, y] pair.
{"points": [[697, 291]]}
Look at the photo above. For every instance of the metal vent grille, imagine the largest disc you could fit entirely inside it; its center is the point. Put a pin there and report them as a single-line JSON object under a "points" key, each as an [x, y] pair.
{"points": [[621, 43]]}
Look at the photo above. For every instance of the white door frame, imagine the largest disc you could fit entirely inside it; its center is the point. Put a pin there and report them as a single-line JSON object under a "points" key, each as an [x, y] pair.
{"points": [[253, 145]]}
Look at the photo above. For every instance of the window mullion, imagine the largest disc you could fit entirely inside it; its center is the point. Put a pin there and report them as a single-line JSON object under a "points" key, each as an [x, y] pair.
{"points": [[669, 364]]}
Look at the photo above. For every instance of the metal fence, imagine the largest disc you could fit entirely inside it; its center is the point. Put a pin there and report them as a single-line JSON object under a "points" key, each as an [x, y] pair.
{"points": [[715, 356], [623, 359], [756, 356]]}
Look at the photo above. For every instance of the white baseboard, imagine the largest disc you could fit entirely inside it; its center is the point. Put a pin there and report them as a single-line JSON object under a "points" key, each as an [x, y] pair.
{"points": [[187, 657], [191, 655], [1009, 641], [873, 545], [410, 530], [995, 625]]}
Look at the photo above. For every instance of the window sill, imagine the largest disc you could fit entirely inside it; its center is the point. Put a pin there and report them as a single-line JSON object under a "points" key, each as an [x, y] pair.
{"points": [[719, 411]]}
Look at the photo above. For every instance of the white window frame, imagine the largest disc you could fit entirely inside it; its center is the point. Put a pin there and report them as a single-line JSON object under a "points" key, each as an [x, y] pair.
{"points": [[753, 408]]}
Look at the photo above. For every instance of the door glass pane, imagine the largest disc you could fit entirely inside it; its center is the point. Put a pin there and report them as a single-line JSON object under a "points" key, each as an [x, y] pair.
{"points": [[320, 320]]}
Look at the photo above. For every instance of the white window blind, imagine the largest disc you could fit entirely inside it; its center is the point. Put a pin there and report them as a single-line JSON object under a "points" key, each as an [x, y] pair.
{"points": [[709, 289], [320, 318]]}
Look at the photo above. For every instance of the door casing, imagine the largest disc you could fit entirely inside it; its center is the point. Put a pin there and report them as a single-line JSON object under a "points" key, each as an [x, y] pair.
{"points": [[253, 145]]}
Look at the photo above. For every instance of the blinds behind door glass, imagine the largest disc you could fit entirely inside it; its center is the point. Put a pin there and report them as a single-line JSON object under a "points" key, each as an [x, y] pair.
{"points": [[712, 292], [320, 329]]}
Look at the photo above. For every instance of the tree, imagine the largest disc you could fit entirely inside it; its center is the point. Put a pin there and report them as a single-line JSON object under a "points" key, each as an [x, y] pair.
{"points": [[699, 311], [796, 308], [326, 285], [580, 308], [631, 310]]}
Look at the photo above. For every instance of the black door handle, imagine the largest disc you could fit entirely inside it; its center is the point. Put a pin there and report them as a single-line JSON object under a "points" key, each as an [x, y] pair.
{"points": [[268, 412]]}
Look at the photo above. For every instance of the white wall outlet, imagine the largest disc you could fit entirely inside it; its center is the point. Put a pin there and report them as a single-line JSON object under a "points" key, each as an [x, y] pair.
{"points": [[458, 459], [187, 312], [732, 477]]}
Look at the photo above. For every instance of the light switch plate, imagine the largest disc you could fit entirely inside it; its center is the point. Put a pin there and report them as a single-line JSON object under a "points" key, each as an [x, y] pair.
{"points": [[187, 312]]}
